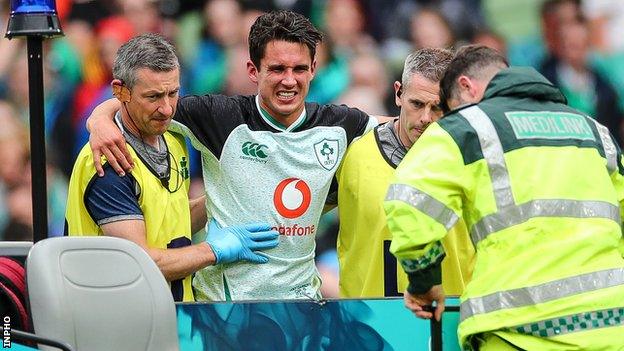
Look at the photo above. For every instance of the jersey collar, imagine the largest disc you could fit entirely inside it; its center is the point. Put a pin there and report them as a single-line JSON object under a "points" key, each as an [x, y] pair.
{"points": [[275, 123]]}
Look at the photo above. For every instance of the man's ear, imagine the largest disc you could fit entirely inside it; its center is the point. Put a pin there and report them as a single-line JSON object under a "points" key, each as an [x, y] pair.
{"points": [[120, 91], [313, 68], [467, 88], [252, 71], [464, 83], [398, 90]]}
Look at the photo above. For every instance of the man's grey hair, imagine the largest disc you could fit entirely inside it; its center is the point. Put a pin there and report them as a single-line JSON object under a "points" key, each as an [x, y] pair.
{"points": [[427, 62], [150, 51]]}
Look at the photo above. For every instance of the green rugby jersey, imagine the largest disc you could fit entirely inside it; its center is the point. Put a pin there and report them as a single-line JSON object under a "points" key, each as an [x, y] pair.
{"points": [[258, 170]]}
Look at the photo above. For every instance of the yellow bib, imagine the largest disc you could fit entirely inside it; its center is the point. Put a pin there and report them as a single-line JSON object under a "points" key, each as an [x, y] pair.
{"points": [[166, 215], [367, 268]]}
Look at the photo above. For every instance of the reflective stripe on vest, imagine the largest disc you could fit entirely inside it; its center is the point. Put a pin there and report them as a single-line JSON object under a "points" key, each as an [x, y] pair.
{"points": [[549, 291], [507, 212], [424, 203], [608, 146], [493, 154], [542, 208]]}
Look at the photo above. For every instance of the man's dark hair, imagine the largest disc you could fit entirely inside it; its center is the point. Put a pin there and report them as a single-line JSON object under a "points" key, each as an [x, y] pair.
{"points": [[281, 25], [471, 61]]}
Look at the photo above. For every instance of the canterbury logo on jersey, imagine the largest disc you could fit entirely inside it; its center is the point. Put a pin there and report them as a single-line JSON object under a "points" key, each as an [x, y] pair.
{"points": [[254, 149], [254, 152]]}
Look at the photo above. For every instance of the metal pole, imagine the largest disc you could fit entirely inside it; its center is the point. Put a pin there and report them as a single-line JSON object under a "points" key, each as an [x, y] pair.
{"points": [[37, 138], [436, 335]]}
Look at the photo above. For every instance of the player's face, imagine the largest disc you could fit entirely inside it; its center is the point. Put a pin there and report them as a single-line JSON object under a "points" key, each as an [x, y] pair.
{"points": [[153, 100], [419, 107], [283, 79]]}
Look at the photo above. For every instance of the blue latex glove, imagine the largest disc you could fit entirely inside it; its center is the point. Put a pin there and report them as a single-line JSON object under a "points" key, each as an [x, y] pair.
{"points": [[235, 243]]}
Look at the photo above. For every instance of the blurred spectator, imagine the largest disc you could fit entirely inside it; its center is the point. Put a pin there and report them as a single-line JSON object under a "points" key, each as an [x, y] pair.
{"points": [[9, 48], [223, 21], [554, 15], [519, 23], [17, 84], [17, 95], [490, 39], [516, 21], [237, 80], [344, 24], [15, 182], [190, 26], [19, 204], [390, 19], [429, 29], [15, 216], [312, 9], [79, 45], [88, 11], [143, 15], [332, 75], [557, 13], [364, 98], [111, 33], [369, 85], [13, 147], [206, 65], [584, 88], [64, 67], [369, 71], [606, 21]]}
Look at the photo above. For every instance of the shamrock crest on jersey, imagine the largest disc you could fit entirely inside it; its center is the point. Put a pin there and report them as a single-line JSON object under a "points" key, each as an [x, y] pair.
{"points": [[326, 152]]}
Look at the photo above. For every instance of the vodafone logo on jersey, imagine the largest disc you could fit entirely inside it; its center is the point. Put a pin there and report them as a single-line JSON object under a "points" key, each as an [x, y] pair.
{"points": [[292, 197]]}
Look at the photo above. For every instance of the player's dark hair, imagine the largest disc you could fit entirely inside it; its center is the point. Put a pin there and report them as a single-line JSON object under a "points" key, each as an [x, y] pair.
{"points": [[281, 25]]}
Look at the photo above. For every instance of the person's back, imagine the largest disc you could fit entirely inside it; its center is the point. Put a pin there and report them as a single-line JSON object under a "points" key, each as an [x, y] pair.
{"points": [[540, 187], [550, 232]]}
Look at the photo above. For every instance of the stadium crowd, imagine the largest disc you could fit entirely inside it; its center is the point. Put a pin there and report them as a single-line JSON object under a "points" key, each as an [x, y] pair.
{"points": [[575, 44]]}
